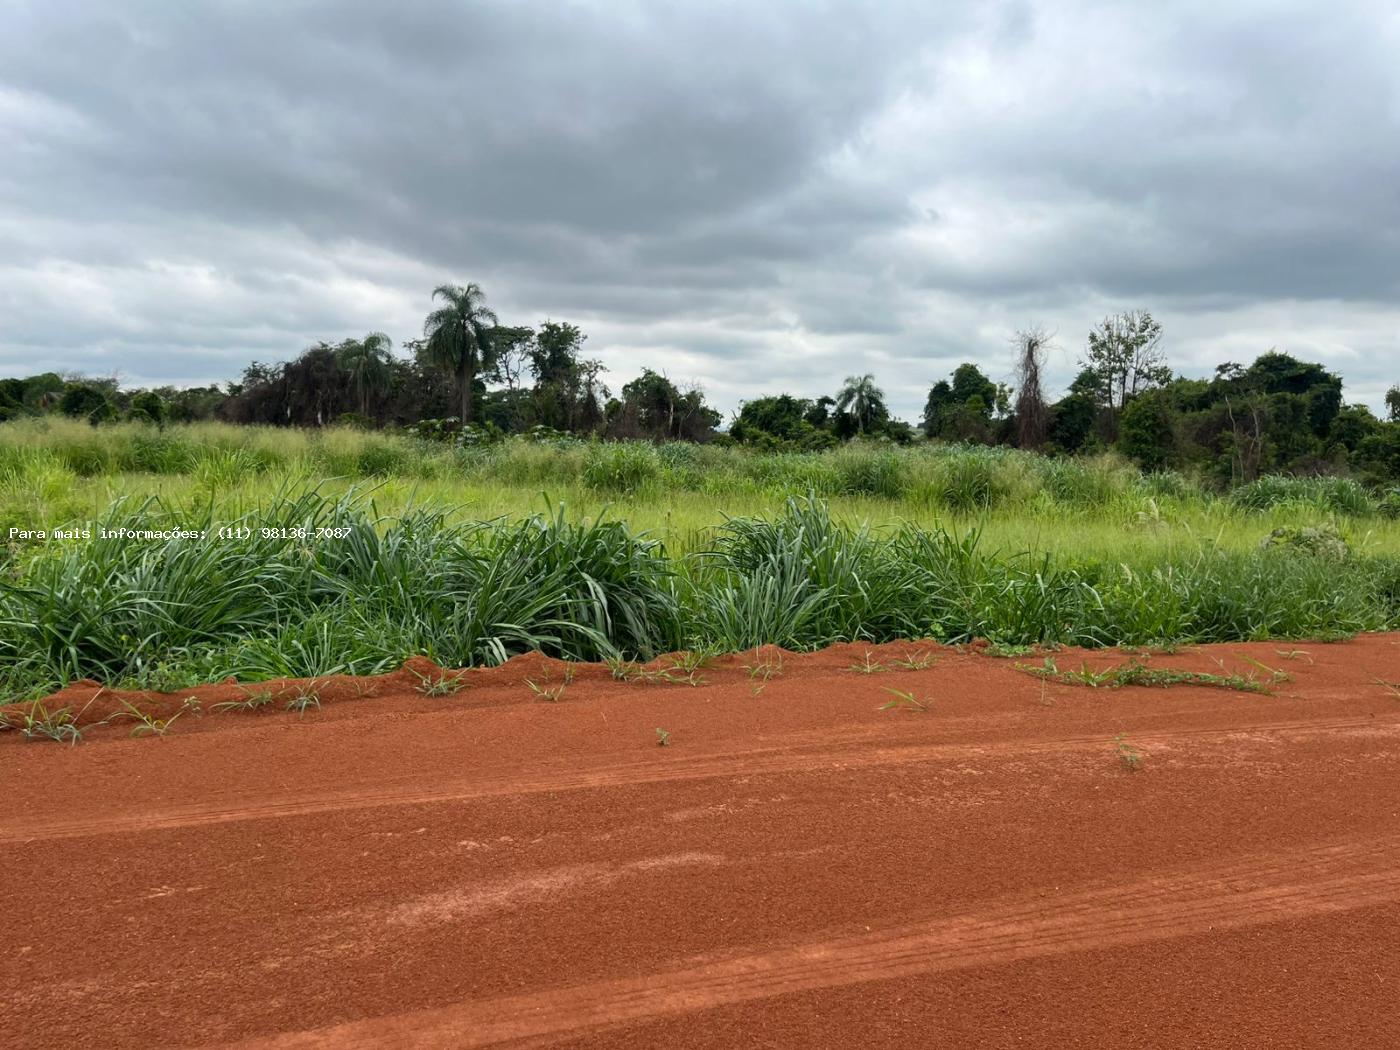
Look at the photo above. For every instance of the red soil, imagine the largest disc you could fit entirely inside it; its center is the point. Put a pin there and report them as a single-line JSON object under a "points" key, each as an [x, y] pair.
{"points": [[797, 868]]}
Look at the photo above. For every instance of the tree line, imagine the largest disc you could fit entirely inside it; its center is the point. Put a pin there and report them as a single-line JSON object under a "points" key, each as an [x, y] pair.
{"points": [[470, 376]]}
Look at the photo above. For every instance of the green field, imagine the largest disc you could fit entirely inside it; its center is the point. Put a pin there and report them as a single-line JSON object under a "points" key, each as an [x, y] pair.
{"points": [[55, 470], [612, 550]]}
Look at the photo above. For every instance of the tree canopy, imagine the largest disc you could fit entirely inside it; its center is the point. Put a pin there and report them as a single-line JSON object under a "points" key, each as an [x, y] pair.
{"points": [[471, 373], [458, 337]]}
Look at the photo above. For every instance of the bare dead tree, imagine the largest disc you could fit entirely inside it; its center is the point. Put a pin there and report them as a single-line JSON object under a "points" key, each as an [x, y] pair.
{"points": [[1248, 447], [1032, 414], [593, 393]]}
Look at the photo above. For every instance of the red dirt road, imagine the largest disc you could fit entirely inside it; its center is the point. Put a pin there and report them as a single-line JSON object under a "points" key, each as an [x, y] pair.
{"points": [[796, 868]]}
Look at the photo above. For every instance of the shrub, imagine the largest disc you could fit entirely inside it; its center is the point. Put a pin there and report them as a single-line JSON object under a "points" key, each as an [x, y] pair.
{"points": [[622, 467], [1340, 495], [1322, 540], [967, 483], [1076, 484], [870, 472]]}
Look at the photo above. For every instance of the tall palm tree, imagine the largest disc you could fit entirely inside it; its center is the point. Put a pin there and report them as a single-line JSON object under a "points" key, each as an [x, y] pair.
{"points": [[366, 361], [862, 400], [458, 336]]}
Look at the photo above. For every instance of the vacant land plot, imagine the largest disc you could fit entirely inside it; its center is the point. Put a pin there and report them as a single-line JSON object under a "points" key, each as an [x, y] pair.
{"points": [[885, 846], [166, 596], [55, 470]]}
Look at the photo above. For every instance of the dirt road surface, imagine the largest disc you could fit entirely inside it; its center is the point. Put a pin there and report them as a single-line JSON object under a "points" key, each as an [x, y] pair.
{"points": [[953, 855]]}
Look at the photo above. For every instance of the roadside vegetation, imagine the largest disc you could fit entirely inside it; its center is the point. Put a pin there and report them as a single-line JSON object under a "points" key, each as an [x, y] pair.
{"points": [[55, 471], [482, 492], [337, 585]]}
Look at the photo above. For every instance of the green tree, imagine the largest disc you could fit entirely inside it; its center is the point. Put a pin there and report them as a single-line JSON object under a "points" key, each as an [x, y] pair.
{"points": [[554, 362], [1125, 355], [1320, 391], [592, 394], [782, 421], [1392, 404], [458, 337], [961, 410], [1072, 420], [185, 405], [1379, 453], [85, 401], [44, 391], [511, 348], [969, 382], [148, 407], [1276, 415], [1145, 431], [554, 357], [1353, 425], [11, 398], [652, 407], [366, 361], [781, 416], [861, 403], [940, 398], [969, 420]]}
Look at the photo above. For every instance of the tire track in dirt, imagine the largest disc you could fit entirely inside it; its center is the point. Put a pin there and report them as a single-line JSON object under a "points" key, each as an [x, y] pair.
{"points": [[725, 765], [1301, 884]]}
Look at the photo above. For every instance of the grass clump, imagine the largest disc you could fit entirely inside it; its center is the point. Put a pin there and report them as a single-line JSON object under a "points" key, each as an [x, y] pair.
{"points": [[1127, 754], [146, 723], [969, 483], [1317, 540], [623, 467], [439, 685], [683, 670], [1137, 673], [37, 722], [551, 692], [916, 661], [463, 595], [904, 701], [865, 665], [1339, 495], [761, 672], [306, 698], [252, 701]]}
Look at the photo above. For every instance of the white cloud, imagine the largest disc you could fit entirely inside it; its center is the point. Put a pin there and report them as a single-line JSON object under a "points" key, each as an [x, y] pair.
{"points": [[760, 199]]}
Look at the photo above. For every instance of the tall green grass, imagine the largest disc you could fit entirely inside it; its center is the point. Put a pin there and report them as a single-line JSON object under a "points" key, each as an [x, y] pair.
{"points": [[230, 452], [54, 469], [360, 598], [915, 583], [444, 552], [1342, 495], [356, 591], [955, 479]]}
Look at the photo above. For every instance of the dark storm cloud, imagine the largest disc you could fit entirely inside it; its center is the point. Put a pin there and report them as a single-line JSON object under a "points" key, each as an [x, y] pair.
{"points": [[801, 190]]}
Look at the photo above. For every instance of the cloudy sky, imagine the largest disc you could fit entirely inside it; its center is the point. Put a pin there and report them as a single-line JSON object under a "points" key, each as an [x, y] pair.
{"points": [[756, 197]]}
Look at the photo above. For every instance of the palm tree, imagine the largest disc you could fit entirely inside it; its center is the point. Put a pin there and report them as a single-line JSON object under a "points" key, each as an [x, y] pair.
{"points": [[366, 361], [862, 400], [458, 336]]}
